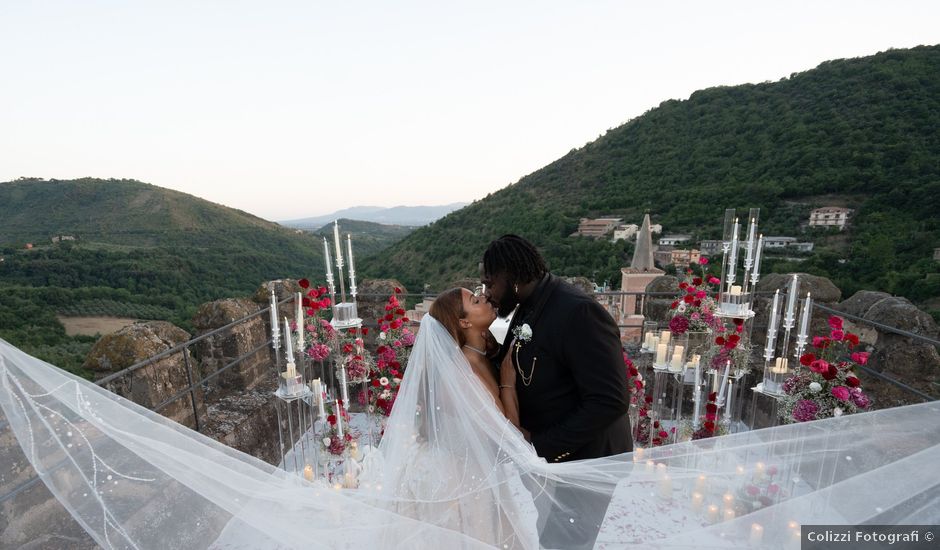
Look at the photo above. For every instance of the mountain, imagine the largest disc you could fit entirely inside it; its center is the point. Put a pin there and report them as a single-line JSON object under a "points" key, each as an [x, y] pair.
{"points": [[397, 215], [855, 132], [369, 238], [140, 251]]}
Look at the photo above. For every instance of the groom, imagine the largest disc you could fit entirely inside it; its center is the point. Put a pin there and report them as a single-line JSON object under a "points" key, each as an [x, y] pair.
{"points": [[570, 382], [570, 377]]}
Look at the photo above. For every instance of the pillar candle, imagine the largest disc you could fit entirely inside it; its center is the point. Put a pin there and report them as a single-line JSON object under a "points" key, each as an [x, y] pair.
{"points": [[638, 454], [700, 483], [665, 488], [664, 338], [308, 472], [757, 534], [679, 351], [728, 500], [733, 260], [729, 514], [661, 354], [697, 500], [759, 470], [650, 466], [711, 513]]}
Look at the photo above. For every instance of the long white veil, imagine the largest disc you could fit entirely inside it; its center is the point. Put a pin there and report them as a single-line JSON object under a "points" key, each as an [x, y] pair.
{"points": [[452, 471]]}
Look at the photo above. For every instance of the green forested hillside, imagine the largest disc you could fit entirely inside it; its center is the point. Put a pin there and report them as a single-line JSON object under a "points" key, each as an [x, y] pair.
{"points": [[860, 132], [141, 251]]}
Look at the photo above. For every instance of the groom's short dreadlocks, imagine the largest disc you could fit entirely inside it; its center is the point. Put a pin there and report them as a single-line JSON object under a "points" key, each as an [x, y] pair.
{"points": [[515, 256]]}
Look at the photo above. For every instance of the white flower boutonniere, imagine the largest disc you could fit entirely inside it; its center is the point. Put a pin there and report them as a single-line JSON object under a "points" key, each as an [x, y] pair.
{"points": [[523, 333]]}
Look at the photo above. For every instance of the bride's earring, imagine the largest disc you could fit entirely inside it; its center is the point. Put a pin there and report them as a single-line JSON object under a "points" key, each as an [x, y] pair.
{"points": [[516, 288]]}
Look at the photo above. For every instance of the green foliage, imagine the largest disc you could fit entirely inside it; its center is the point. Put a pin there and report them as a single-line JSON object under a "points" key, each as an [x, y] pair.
{"points": [[860, 133]]}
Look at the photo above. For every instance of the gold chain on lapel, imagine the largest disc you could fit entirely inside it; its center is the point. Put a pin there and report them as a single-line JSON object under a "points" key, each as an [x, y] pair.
{"points": [[526, 380]]}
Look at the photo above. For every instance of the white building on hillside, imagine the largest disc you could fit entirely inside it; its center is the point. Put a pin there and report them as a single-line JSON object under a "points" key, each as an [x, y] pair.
{"points": [[830, 216]]}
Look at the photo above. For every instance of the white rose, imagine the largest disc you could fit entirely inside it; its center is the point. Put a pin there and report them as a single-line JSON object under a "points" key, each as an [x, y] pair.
{"points": [[383, 381], [526, 331], [681, 308], [326, 441], [396, 380], [837, 411], [371, 409], [381, 336], [386, 394], [815, 387]]}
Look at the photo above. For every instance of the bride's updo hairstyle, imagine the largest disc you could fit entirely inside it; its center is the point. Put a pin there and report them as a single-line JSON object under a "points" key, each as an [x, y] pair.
{"points": [[448, 310]]}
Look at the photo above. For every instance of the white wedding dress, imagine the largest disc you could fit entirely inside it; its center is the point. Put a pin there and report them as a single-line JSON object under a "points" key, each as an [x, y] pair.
{"points": [[452, 473]]}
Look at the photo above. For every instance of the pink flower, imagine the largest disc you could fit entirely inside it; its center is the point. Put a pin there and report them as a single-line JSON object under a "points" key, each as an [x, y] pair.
{"points": [[714, 280], [695, 316], [702, 260], [860, 357], [841, 393], [837, 335], [700, 295], [835, 322], [820, 342]]}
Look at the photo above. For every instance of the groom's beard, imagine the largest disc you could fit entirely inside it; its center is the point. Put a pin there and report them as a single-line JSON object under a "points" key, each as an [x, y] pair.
{"points": [[508, 303]]}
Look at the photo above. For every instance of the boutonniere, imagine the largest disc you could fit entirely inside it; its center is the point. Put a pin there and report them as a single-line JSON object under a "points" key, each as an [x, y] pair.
{"points": [[523, 334]]}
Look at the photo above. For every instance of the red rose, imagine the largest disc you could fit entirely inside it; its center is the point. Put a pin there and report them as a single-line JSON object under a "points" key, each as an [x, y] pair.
{"points": [[325, 303], [400, 311], [860, 357], [674, 305], [852, 381], [737, 321], [322, 290], [331, 419], [807, 359], [365, 330], [697, 281], [720, 341], [397, 290], [389, 317], [683, 285], [711, 397], [852, 339], [305, 302], [711, 408], [688, 298], [819, 365], [702, 260], [835, 322], [304, 284], [709, 426], [663, 434], [347, 348], [820, 342], [831, 373], [697, 303]]}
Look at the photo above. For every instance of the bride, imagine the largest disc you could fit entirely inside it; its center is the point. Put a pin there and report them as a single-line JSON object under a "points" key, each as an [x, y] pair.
{"points": [[454, 471]]}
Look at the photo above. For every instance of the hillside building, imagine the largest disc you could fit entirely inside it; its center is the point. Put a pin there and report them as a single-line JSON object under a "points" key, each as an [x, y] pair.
{"points": [[62, 238], [830, 216], [682, 258], [936, 254], [597, 228], [710, 247], [673, 240], [625, 232]]}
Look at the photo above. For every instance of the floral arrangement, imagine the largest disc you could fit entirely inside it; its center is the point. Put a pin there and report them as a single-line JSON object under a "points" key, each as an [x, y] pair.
{"points": [[331, 442], [693, 309], [827, 386], [729, 345], [354, 357], [710, 427], [647, 430], [395, 343], [320, 334]]}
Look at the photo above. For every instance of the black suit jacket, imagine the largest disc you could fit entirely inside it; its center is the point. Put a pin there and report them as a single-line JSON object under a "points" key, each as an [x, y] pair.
{"points": [[576, 403]]}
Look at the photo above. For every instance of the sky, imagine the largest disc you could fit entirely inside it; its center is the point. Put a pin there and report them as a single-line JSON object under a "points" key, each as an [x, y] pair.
{"points": [[288, 109]]}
